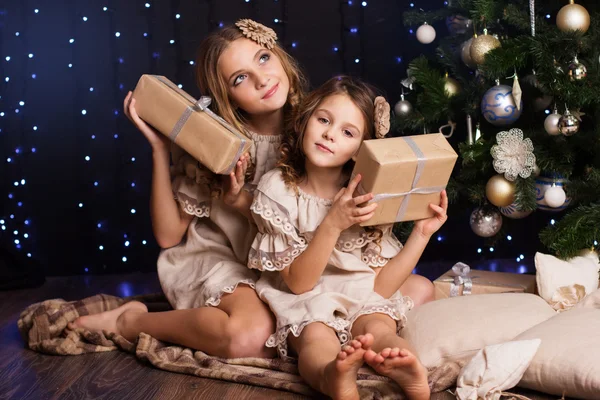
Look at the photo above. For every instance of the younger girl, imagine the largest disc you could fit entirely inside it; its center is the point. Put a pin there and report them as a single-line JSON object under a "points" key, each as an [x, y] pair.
{"points": [[255, 85], [316, 259]]}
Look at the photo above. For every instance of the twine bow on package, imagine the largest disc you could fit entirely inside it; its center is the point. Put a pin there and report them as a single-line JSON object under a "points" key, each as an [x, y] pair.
{"points": [[405, 174], [189, 123]]}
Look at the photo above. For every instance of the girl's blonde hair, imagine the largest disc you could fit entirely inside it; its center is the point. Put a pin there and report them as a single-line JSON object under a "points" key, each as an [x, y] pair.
{"points": [[292, 161], [212, 84]]}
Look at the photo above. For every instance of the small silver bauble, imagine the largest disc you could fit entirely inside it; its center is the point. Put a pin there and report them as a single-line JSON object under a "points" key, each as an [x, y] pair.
{"points": [[545, 182], [486, 221], [555, 196], [551, 123], [568, 124], [403, 108], [426, 33]]}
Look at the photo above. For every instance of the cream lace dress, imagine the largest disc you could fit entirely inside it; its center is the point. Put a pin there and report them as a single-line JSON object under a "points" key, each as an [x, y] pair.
{"points": [[212, 258], [287, 223]]}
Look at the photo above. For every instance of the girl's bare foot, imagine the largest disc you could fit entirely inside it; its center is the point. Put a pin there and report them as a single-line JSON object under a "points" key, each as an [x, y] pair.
{"points": [[402, 367], [340, 374], [109, 320]]}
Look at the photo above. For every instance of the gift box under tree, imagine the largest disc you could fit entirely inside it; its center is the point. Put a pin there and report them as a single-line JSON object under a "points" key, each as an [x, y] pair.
{"points": [[462, 281]]}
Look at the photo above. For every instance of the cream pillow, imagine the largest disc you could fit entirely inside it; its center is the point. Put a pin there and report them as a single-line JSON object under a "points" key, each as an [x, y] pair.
{"points": [[568, 359], [494, 369], [454, 329], [553, 274]]}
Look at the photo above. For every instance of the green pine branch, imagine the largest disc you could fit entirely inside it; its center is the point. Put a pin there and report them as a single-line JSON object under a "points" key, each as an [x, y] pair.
{"points": [[577, 230]]}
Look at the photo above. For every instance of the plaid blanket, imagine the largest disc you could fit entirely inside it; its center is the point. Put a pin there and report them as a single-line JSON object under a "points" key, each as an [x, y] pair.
{"points": [[43, 327]]}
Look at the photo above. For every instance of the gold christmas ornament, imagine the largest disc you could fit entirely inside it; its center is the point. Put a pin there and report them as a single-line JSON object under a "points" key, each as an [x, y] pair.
{"points": [[499, 191], [576, 70], [465, 54], [451, 86], [568, 124], [573, 17], [481, 46]]}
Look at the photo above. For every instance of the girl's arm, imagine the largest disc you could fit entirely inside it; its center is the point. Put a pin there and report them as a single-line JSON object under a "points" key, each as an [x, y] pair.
{"points": [[305, 271], [393, 274], [399, 268], [169, 221]]}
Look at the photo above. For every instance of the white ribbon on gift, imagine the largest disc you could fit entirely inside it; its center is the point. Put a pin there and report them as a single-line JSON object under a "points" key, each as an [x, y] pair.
{"points": [[202, 105], [462, 277], [421, 159]]}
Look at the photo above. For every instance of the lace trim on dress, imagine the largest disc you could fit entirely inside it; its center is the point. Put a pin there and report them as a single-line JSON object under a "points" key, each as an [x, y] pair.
{"points": [[265, 138], [347, 243], [216, 300], [279, 338], [275, 260], [277, 218], [192, 207], [320, 200]]}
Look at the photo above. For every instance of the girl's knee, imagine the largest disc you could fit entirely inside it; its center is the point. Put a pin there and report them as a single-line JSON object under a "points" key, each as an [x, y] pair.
{"points": [[420, 289], [375, 324], [246, 339]]}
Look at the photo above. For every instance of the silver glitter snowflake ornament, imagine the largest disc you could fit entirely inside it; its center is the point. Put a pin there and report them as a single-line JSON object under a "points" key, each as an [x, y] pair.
{"points": [[513, 155]]}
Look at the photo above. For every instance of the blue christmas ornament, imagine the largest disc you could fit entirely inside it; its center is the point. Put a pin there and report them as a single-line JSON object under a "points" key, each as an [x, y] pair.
{"points": [[457, 24], [498, 106], [512, 211]]}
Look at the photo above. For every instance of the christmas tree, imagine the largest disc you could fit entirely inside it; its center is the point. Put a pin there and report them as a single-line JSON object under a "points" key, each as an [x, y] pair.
{"points": [[526, 89]]}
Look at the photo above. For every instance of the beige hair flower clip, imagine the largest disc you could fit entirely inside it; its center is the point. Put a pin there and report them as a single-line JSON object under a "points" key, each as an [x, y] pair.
{"points": [[382, 117], [259, 33]]}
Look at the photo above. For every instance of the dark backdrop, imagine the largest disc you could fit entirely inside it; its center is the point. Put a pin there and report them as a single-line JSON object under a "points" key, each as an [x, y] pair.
{"points": [[74, 172]]}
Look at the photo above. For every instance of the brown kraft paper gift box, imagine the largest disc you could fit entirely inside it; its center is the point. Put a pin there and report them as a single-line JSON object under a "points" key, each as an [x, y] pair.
{"points": [[483, 282], [405, 174], [189, 123]]}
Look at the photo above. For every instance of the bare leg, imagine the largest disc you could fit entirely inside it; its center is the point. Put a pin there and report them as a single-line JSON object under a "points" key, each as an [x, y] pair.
{"points": [[324, 366], [238, 327], [419, 289], [392, 356]]}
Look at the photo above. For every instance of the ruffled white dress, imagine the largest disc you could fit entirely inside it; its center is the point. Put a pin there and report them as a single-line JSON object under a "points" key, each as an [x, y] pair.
{"points": [[287, 223], [212, 258]]}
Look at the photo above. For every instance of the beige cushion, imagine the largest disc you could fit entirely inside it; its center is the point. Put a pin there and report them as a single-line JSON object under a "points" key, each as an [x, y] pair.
{"points": [[569, 358], [552, 274], [452, 329], [494, 369]]}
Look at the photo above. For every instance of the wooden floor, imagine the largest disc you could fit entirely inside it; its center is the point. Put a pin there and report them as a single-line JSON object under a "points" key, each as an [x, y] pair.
{"points": [[25, 374]]}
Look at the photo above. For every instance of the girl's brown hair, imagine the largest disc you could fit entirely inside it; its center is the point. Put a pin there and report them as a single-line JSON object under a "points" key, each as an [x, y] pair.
{"points": [[212, 84], [292, 157]]}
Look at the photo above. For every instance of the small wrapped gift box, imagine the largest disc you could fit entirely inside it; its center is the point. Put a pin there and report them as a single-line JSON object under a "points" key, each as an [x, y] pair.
{"points": [[405, 174], [462, 281], [189, 123]]}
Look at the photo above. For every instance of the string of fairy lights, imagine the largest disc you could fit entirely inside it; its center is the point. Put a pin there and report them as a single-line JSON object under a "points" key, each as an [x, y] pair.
{"points": [[112, 233]]}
